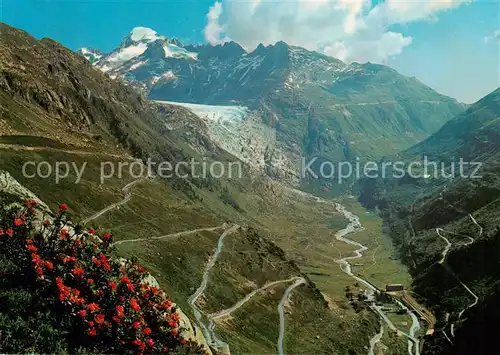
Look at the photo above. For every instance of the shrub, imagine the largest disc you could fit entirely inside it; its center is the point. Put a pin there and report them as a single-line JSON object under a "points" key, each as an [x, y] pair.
{"points": [[61, 291]]}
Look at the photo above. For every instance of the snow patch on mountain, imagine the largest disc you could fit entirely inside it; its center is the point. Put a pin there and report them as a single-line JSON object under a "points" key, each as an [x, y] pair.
{"points": [[143, 34], [173, 51], [123, 55]]}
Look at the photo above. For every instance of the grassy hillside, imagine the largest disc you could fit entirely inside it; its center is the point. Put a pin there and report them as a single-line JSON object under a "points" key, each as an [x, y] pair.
{"points": [[465, 211], [57, 108]]}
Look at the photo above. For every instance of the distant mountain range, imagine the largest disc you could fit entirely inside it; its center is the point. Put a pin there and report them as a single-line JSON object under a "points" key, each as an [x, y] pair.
{"points": [[318, 105]]}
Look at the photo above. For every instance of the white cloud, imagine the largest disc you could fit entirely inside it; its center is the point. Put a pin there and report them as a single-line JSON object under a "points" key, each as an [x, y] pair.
{"points": [[351, 30], [214, 32], [495, 37]]}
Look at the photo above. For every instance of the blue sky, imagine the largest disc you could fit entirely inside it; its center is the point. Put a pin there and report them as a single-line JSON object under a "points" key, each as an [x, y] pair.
{"points": [[450, 46]]}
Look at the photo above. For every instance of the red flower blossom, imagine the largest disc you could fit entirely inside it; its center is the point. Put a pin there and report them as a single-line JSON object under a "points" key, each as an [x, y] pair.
{"points": [[135, 306], [146, 331], [106, 236], [136, 325], [90, 323], [63, 234], [59, 280], [78, 271], [90, 281], [96, 261], [140, 269], [63, 207], [32, 248], [125, 280], [99, 318], [107, 267], [130, 287], [174, 332], [30, 203], [82, 313], [39, 271], [91, 231], [137, 343], [172, 324], [150, 342], [93, 307], [18, 221], [49, 265], [100, 293], [116, 319], [92, 332], [120, 309], [176, 317], [10, 232], [1, 232], [113, 285], [62, 297], [184, 341], [165, 348]]}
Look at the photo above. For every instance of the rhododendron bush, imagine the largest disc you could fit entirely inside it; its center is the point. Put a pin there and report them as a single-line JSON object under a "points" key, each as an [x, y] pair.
{"points": [[61, 291]]}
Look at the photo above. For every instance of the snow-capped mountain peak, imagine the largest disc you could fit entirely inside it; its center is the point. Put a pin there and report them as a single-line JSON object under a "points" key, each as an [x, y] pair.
{"points": [[140, 45], [143, 34]]}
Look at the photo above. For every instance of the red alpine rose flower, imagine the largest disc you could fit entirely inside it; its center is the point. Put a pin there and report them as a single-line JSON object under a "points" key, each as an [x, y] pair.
{"points": [[32, 248], [49, 265], [63, 207], [136, 325], [18, 221], [106, 236], [92, 332], [39, 271], [125, 280], [120, 309], [90, 281], [135, 306], [99, 318], [30, 203], [113, 285], [91, 231], [82, 313], [93, 307], [78, 271], [137, 343], [140, 269], [146, 331], [150, 342], [10, 232]]}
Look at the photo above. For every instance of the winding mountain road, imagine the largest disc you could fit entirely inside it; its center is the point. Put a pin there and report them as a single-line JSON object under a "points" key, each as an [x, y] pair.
{"points": [[209, 336], [126, 197], [173, 235], [444, 254], [375, 340], [281, 312]]}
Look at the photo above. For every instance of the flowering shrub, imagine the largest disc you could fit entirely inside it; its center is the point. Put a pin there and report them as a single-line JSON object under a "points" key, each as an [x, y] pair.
{"points": [[61, 291]]}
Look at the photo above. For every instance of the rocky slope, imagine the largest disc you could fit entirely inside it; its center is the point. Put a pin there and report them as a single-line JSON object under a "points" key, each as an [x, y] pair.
{"points": [[465, 211], [57, 107]]}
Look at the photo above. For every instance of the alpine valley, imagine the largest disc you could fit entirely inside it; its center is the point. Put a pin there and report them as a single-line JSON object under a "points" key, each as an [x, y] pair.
{"points": [[269, 259]]}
